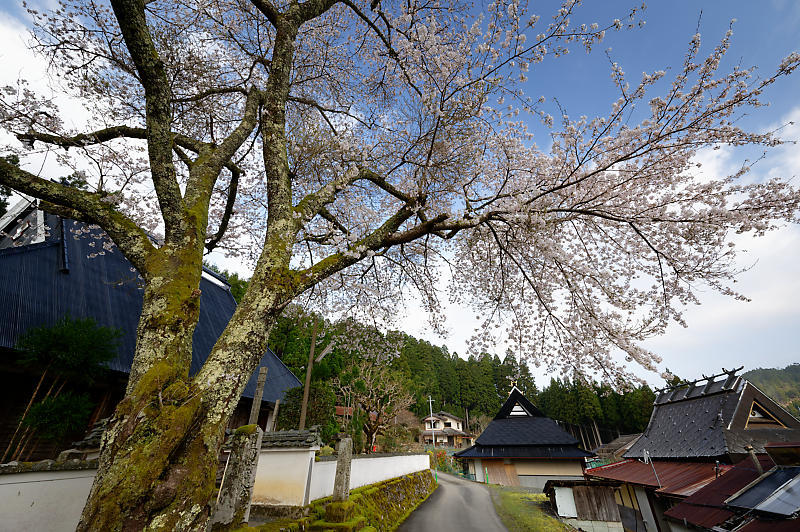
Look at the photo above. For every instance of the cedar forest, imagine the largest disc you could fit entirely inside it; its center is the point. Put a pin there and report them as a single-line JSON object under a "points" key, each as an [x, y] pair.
{"points": [[473, 387]]}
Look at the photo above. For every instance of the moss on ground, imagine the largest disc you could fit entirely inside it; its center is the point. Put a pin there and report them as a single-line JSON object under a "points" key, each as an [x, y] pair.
{"points": [[522, 510]]}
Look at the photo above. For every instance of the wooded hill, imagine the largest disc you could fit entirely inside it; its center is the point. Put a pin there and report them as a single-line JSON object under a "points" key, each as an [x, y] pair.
{"points": [[783, 385], [472, 388]]}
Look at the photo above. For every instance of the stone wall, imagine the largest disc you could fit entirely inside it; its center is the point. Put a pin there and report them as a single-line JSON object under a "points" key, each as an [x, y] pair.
{"points": [[365, 470], [380, 507]]}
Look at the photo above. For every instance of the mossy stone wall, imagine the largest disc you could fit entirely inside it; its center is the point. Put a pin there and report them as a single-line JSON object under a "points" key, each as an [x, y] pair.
{"points": [[379, 507]]}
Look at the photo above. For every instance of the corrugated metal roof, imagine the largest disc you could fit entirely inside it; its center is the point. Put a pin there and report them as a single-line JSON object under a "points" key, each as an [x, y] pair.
{"points": [[37, 289], [776, 492], [674, 478], [769, 525], [706, 506]]}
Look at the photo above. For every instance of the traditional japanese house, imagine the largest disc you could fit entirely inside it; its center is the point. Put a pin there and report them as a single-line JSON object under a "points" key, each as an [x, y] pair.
{"points": [[696, 433], [447, 429], [51, 267], [523, 447], [761, 494]]}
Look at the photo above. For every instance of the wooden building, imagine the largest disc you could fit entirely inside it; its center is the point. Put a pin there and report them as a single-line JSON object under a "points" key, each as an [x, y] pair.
{"points": [[51, 267], [449, 431], [523, 447]]}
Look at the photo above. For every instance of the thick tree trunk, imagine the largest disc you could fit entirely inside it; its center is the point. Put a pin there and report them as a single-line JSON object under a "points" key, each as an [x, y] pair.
{"points": [[159, 455]]}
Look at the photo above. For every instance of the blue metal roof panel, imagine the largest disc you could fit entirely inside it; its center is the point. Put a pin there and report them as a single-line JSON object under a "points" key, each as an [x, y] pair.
{"points": [[34, 290], [776, 492]]}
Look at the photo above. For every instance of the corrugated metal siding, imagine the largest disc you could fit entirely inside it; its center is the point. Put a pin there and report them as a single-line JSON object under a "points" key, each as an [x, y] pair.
{"points": [[34, 291]]}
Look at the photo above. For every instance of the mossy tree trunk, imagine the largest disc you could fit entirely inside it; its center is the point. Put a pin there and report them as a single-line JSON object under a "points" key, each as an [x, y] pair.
{"points": [[159, 454]]}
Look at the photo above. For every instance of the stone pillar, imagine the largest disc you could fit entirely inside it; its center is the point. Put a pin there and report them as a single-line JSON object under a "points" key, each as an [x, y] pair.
{"points": [[236, 491], [341, 485]]}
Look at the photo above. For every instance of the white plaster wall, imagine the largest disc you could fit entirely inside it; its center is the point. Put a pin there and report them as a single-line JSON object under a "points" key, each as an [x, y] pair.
{"points": [[282, 477], [565, 502], [364, 471], [46, 500], [537, 482]]}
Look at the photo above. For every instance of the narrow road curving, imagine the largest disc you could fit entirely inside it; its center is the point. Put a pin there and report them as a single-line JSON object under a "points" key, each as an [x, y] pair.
{"points": [[457, 505]]}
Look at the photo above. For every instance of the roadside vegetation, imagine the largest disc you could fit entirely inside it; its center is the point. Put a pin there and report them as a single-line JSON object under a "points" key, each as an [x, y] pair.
{"points": [[522, 510]]}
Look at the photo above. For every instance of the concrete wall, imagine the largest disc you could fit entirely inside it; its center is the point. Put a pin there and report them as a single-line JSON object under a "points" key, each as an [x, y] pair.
{"points": [[365, 471], [282, 477], [45, 500]]}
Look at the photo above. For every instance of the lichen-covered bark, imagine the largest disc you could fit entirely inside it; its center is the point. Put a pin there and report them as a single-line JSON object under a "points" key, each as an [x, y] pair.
{"points": [[159, 457]]}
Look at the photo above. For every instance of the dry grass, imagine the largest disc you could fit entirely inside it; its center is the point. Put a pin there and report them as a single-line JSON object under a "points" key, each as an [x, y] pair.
{"points": [[522, 510]]}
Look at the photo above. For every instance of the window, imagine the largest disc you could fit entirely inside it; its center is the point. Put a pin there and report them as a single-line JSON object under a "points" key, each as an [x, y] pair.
{"points": [[760, 418]]}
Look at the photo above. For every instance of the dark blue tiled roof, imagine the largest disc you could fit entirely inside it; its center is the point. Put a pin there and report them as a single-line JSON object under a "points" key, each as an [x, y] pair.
{"points": [[520, 430], [38, 287], [710, 422], [525, 431], [523, 451]]}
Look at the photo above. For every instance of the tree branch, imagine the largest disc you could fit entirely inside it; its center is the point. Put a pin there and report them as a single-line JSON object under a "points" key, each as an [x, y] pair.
{"points": [[152, 73], [233, 188], [268, 10], [87, 206]]}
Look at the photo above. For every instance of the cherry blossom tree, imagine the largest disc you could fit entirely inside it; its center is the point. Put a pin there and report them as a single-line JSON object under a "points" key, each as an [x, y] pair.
{"points": [[353, 151]]}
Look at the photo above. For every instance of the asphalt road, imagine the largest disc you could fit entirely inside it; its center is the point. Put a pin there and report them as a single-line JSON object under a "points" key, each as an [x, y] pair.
{"points": [[457, 505]]}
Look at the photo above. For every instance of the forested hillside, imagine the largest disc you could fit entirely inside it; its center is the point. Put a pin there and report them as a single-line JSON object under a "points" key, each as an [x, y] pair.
{"points": [[472, 388], [783, 385]]}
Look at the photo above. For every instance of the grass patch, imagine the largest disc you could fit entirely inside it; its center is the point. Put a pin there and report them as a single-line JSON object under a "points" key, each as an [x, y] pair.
{"points": [[521, 510]]}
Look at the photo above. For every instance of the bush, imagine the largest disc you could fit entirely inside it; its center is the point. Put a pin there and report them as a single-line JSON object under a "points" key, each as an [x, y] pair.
{"points": [[57, 417], [76, 348]]}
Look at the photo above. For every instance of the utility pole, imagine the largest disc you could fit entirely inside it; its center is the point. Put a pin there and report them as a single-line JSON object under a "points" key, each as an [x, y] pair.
{"points": [[308, 376], [433, 432], [311, 361], [433, 437]]}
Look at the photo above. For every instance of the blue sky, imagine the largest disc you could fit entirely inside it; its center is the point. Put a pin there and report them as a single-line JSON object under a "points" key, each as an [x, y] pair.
{"points": [[764, 332]]}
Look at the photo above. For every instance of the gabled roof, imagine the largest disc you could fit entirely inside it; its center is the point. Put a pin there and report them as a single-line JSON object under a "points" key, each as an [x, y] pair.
{"points": [[447, 431], [442, 415], [518, 426], [616, 447], [42, 282], [712, 418], [517, 405]]}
